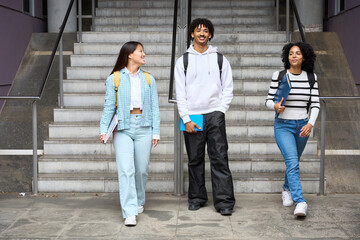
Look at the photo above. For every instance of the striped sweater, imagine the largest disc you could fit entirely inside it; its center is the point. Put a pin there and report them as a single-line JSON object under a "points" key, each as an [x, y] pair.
{"points": [[299, 96]]}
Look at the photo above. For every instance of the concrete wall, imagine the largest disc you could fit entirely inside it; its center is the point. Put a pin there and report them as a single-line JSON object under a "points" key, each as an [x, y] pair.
{"points": [[346, 25], [16, 28]]}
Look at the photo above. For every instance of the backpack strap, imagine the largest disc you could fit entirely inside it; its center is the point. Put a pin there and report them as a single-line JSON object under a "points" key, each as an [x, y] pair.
{"points": [[147, 77], [281, 75], [220, 59], [186, 61], [116, 83], [311, 79]]}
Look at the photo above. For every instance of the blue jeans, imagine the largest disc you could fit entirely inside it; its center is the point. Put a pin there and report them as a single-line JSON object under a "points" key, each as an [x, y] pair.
{"points": [[291, 145], [132, 149]]}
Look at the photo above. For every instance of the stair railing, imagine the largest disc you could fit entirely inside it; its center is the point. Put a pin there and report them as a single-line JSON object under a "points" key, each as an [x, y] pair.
{"points": [[297, 17], [322, 137], [184, 42], [58, 44]]}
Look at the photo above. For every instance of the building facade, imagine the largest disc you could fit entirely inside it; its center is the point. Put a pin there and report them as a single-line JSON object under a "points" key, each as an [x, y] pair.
{"points": [[343, 17], [18, 20]]}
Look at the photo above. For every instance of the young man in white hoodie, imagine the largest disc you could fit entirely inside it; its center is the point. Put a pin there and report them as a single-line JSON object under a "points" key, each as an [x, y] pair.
{"points": [[202, 89]]}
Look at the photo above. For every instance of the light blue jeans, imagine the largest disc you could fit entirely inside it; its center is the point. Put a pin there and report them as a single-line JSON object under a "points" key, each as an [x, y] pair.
{"points": [[291, 145], [132, 149]]}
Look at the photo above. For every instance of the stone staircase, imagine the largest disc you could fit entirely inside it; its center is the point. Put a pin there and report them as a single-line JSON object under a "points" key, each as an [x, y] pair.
{"points": [[75, 161]]}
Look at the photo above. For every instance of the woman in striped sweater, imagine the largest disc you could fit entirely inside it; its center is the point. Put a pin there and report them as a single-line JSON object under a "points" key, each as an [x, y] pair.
{"points": [[292, 125]]}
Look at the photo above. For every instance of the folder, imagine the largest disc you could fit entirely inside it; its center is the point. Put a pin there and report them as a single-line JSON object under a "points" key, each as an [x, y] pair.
{"points": [[283, 90], [198, 119], [111, 128]]}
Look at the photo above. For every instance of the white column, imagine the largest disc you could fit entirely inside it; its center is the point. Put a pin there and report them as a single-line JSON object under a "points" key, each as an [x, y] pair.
{"points": [[311, 14], [56, 10]]}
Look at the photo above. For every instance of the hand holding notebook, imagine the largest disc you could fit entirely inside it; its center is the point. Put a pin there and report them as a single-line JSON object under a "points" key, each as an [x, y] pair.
{"points": [[197, 119], [283, 91]]}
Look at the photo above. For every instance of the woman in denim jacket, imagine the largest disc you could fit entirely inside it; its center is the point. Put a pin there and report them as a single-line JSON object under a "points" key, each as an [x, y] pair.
{"points": [[138, 128], [292, 125]]}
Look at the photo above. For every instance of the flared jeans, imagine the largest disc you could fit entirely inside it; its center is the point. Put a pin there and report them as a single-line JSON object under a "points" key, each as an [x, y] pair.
{"points": [[291, 145], [132, 149]]}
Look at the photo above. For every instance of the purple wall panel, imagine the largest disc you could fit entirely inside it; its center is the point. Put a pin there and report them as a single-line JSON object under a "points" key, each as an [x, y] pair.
{"points": [[16, 29], [351, 3], [38, 8], [346, 25], [17, 5]]}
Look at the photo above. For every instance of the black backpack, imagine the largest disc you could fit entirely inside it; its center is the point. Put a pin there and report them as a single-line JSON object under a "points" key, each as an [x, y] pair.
{"points": [[311, 79], [186, 61]]}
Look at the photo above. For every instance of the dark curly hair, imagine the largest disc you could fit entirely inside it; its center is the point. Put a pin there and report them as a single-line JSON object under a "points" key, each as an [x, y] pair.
{"points": [[308, 54], [201, 22]]}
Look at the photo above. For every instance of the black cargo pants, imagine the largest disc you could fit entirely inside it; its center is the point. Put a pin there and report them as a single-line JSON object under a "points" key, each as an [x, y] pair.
{"points": [[214, 135]]}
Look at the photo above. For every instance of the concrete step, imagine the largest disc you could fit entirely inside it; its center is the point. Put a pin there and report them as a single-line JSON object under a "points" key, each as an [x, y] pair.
{"points": [[98, 86], [91, 130], [166, 37], [195, 4], [245, 114], [165, 164], [165, 48], [168, 21], [243, 183], [238, 146], [98, 99], [236, 60], [129, 4], [195, 12], [164, 73], [168, 28]]}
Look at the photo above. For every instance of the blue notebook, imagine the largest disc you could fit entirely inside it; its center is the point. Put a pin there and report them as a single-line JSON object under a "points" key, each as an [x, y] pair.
{"points": [[198, 119], [283, 90]]}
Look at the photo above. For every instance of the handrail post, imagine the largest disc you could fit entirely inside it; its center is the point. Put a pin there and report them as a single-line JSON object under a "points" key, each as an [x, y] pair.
{"points": [[277, 15], [35, 159], [61, 73], [80, 20], [322, 146], [178, 137], [287, 20]]}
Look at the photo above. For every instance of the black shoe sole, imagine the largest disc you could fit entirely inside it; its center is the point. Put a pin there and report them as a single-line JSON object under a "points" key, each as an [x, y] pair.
{"points": [[194, 207], [226, 212]]}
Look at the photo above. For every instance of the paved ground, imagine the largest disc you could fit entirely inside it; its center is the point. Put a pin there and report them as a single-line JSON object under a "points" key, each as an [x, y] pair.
{"points": [[256, 216]]}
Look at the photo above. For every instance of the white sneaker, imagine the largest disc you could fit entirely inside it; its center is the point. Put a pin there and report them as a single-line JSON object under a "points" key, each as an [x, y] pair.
{"points": [[287, 199], [130, 221], [300, 209], [140, 209]]}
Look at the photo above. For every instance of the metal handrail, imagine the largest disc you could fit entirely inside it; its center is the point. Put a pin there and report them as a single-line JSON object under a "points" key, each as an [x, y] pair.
{"points": [[302, 33], [173, 52], [300, 25], [51, 61], [171, 98], [322, 141], [38, 97]]}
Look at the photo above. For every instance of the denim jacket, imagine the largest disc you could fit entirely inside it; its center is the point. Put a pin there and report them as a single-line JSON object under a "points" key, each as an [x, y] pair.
{"points": [[149, 97]]}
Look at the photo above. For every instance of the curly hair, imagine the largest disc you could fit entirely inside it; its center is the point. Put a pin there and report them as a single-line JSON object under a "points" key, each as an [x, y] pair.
{"points": [[201, 22], [308, 54]]}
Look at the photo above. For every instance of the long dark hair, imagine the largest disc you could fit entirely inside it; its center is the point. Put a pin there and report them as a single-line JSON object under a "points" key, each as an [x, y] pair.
{"points": [[124, 53], [308, 54]]}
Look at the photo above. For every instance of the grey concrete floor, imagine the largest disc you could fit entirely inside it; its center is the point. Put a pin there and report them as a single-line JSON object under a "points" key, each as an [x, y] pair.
{"points": [[98, 216]]}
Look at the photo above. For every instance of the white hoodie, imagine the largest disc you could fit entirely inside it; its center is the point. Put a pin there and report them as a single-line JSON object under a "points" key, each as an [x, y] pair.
{"points": [[202, 91]]}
